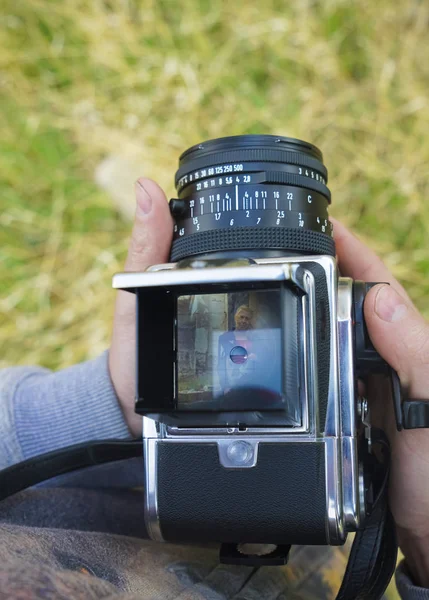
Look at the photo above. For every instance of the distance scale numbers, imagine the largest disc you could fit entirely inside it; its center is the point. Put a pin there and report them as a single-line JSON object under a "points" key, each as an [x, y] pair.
{"points": [[250, 206], [210, 175]]}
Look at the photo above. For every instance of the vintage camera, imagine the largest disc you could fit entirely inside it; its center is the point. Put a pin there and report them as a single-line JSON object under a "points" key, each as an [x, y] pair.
{"points": [[249, 349]]}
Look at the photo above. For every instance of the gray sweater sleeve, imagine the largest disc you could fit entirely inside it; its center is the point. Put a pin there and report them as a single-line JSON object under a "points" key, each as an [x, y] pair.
{"points": [[41, 410], [406, 587]]}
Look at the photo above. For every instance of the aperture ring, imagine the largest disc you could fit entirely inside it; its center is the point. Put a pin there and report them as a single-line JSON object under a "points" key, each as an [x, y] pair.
{"points": [[303, 241]]}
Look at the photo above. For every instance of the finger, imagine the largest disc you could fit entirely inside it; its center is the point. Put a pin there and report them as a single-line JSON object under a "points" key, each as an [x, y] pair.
{"points": [[357, 261], [400, 335]]}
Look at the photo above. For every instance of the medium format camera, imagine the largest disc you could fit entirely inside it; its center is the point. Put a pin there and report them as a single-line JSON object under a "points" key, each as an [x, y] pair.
{"points": [[249, 349]]}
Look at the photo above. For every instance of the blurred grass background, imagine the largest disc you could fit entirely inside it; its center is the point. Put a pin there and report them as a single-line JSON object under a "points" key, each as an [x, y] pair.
{"points": [[95, 90]]}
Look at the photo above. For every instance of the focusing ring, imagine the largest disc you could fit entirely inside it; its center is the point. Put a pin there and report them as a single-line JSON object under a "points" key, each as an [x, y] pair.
{"points": [[249, 238]]}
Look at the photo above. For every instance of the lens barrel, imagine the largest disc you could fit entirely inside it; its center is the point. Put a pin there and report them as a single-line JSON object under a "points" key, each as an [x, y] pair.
{"points": [[251, 193]]}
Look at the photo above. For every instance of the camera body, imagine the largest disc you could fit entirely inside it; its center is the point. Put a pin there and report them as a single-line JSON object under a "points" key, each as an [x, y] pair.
{"points": [[249, 349], [275, 472]]}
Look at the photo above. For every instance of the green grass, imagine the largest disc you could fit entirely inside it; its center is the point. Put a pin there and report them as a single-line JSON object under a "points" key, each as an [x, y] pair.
{"points": [[83, 80]]}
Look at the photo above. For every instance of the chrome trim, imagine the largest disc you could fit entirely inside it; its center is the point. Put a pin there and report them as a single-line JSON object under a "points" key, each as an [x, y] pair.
{"points": [[178, 432], [310, 366], [335, 532], [350, 481], [277, 439], [362, 495], [348, 397], [348, 404], [150, 446], [209, 275]]}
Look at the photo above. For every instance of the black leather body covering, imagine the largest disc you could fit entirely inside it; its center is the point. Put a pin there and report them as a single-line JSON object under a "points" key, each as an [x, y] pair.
{"points": [[280, 500]]}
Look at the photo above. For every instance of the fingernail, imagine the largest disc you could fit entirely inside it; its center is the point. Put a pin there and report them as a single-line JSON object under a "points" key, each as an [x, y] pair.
{"points": [[144, 200], [389, 305]]}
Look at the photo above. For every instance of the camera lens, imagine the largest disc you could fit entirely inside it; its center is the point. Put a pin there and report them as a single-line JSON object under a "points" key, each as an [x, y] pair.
{"points": [[251, 192]]}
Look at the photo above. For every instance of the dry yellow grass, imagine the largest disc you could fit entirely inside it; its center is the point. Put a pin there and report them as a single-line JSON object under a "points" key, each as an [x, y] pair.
{"points": [[143, 80]]}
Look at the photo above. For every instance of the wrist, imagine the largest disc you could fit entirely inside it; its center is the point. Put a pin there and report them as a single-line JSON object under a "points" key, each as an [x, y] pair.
{"points": [[416, 553], [122, 383], [134, 422]]}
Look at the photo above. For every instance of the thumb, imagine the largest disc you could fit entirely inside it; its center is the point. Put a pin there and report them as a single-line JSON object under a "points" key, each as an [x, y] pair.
{"points": [[150, 244], [153, 226], [400, 335]]}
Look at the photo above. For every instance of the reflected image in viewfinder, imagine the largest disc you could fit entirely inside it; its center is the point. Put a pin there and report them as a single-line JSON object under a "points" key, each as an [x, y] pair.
{"points": [[230, 352]]}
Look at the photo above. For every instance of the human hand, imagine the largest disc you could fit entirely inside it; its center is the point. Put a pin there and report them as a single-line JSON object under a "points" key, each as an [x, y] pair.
{"points": [[149, 245], [401, 336]]}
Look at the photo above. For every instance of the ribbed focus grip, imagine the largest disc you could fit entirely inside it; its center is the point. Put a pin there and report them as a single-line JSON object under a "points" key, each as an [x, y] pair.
{"points": [[250, 238]]}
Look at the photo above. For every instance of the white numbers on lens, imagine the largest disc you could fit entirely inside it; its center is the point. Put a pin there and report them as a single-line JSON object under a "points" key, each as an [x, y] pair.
{"points": [[258, 221], [195, 220], [276, 194], [231, 222], [192, 203], [246, 179], [289, 196], [217, 216], [310, 199], [175, 229], [299, 171], [281, 214], [182, 231], [247, 213], [278, 222]]}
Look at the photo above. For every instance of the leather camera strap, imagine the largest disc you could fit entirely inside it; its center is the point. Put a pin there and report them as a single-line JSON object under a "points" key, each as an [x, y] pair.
{"points": [[40, 468], [372, 560]]}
